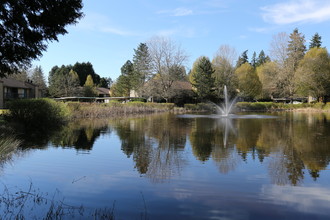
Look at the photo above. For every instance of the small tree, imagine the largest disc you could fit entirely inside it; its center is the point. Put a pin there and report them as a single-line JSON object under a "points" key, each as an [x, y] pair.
{"points": [[89, 88]]}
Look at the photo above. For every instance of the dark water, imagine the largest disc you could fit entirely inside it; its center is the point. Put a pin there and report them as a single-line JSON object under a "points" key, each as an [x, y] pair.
{"points": [[169, 167]]}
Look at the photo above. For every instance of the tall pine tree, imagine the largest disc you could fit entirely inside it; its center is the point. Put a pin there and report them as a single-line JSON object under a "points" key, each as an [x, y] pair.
{"points": [[316, 41], [242, 59]]}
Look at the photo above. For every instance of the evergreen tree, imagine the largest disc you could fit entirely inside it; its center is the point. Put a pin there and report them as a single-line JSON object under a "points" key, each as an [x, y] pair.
{"points": [[26, 26], [296, 48], [262, 58], [242, 59], [37, 77], [105, 82], [142, 62], [296, 51], [316, 41], [63, 81], [203, 80], [85, 69], [254, 60]]}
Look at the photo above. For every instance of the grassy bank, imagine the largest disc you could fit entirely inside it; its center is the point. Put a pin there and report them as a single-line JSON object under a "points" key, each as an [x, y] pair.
{"points": [[100, 110], [271, 106]]}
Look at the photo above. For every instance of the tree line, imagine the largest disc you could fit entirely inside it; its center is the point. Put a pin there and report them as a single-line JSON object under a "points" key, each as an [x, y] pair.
{"points": [[290, 71]]}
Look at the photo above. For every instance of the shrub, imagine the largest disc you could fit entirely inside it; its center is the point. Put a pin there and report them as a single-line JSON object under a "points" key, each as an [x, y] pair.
{"points": [[38, 113], [327, 106]]}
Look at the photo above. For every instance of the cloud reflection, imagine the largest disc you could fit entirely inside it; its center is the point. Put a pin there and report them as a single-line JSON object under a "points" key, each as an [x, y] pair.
{"points": [[312, 199]]}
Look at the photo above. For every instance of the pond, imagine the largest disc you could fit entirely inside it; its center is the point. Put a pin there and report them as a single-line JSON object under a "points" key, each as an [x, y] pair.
{"points": [[172, 167]]}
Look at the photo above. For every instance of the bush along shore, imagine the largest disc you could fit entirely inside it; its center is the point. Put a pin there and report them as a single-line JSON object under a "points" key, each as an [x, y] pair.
{"points": [[271, 106]]}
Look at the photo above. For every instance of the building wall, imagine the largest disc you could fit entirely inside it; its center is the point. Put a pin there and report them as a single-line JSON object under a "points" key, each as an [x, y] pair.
{"points": [[1, 95]]}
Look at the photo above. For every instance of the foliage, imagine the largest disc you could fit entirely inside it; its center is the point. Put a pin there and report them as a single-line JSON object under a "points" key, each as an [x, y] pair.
{"points": [[84, 70], [37, 113], [272, 106], [248, 82], [313, 74], [27, 26], [105, 82], [224, 71], [262, 58], [316, 41], [267, 74], [142, 64], [198, 107], [63, 81], [38, 78], [89, 88], [296, 49], [202, 78], [115, 108], [242, 59]]}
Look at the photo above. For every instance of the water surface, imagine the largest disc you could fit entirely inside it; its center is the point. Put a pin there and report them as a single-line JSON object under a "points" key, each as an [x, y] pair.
{"points": [[182, 167]]}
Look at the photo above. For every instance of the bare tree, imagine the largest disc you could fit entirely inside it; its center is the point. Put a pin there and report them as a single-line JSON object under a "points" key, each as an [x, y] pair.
{"points": [[167, 60], [224, 74], [228, 53], [279, 48]]}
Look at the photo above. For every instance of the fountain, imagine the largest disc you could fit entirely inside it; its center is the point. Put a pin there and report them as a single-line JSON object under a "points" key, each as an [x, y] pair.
{"points": [[227, 106], [224, 110]]}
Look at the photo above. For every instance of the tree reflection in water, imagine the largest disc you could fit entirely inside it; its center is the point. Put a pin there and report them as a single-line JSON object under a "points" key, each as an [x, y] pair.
{"points": [[292, 146]]}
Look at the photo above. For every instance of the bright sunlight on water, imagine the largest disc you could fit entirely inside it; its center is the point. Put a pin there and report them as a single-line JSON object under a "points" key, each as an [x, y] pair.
{"points": [[170, 167]]}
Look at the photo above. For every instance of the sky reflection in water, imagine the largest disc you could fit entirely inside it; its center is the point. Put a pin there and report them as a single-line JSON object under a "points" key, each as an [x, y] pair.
{"points": [[186, 167]]}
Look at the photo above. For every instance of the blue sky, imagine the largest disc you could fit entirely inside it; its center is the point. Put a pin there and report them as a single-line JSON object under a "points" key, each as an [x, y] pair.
{"points": [[110, 30]]}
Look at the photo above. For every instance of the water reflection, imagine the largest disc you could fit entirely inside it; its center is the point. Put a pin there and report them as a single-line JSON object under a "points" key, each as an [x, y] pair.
{"points": [[156, 144], [291, 146]]}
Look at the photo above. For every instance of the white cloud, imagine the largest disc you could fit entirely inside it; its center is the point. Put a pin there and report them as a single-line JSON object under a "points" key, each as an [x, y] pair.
{"points": [[178, 12], [101, 23], [296, 11]]}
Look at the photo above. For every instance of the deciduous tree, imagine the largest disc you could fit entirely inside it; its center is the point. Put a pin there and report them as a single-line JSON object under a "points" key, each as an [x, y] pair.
{"points": [[167, 61], [313, 74], [248, 82], [224, 70]]}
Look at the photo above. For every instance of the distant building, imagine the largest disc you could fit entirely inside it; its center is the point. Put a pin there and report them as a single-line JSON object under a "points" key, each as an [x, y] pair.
{"points": [[103, 92], [13, 89]]}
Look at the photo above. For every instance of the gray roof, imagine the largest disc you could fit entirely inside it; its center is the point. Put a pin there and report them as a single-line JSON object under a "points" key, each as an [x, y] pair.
{"points": [[101, 90], [13, 83]]}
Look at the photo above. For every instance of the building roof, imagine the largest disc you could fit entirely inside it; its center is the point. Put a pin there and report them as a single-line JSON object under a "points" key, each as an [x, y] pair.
{"points": [[101, 90], [13, 83]]}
